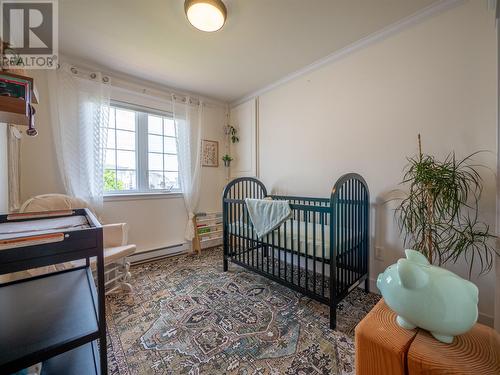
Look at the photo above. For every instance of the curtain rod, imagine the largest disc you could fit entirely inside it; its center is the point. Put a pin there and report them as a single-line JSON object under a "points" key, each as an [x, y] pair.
{"points": [[141, 89]]}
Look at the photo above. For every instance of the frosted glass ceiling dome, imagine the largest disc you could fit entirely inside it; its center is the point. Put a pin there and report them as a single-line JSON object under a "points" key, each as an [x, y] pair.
{"points": [[206, 15]]}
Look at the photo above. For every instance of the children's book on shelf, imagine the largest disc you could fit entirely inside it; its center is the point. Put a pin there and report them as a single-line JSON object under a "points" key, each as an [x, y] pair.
{"points": [[208, 230]]}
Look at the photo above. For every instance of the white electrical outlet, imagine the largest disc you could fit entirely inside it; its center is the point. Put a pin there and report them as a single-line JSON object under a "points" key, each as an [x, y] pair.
{"points": [[379, 253]]}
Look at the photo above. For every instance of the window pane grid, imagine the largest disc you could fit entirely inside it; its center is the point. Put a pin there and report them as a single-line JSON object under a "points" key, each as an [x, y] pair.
{"points": [[117, 176], [138, 140], [162, 179]]}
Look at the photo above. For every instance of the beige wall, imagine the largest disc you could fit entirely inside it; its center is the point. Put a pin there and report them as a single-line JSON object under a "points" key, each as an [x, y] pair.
{"points": [[154, 223], [4, 187], [363, 112]]}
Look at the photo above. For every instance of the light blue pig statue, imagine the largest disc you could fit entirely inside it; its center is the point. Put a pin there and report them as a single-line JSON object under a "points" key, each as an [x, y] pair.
{"points": [[429, 297]]}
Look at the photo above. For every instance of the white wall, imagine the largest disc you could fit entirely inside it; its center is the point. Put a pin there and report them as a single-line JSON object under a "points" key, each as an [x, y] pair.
{"points": [[154, 223], [363, 113], [4, 174]]}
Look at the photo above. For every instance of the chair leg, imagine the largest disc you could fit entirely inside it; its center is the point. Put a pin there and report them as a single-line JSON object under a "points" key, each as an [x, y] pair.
{"points": [[125, 285], [120, 276]]}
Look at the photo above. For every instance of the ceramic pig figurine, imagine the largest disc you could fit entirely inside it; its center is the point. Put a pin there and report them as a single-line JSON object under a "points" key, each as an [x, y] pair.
{"points": [[429, 297]]}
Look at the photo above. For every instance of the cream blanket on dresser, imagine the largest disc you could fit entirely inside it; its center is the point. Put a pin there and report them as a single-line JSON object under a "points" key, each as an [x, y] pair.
{"points": [[267, 215]]}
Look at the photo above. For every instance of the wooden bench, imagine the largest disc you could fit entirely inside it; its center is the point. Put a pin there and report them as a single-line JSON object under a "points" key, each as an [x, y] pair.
{"points": [[384, 348]]}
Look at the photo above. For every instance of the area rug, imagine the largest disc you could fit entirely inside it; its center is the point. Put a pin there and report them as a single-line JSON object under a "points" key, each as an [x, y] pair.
{"points": [[186, 316]]}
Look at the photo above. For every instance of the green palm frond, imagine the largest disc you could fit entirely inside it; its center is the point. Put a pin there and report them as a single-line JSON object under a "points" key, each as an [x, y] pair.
{"points": [[439, 214]]}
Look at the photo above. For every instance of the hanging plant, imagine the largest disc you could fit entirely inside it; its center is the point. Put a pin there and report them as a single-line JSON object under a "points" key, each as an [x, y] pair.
{"points": [[227, 160], [439, 216], [232, 132]]}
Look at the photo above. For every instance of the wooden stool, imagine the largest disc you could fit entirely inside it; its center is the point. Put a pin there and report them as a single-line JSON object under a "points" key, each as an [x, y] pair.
{"points": [[476, 352], [381, 344], [384, 348]]}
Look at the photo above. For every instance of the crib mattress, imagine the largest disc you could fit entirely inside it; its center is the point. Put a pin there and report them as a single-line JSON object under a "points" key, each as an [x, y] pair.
{"points": [[298, 240]]}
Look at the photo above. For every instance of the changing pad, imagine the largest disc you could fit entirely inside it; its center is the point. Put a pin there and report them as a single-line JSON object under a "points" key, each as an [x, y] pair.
{"points": [[26, 228]]}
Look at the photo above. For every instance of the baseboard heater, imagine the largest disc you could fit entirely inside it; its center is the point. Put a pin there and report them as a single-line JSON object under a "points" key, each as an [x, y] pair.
{"points": [[155, 254]]}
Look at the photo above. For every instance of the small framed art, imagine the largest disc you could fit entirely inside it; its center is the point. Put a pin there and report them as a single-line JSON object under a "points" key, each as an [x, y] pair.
{"points": [[209, 153]]}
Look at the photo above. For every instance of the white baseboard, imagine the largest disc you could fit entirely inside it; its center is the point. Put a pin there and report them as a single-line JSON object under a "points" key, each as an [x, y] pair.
{"points": [[485, 319], [149, 255]]}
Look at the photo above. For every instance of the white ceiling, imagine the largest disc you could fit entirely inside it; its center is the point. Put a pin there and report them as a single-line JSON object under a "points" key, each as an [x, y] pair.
{"points": [[262, 41]]}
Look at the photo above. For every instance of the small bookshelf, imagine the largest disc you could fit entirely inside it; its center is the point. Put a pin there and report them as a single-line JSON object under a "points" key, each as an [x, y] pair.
{"points": [[208, 230]]}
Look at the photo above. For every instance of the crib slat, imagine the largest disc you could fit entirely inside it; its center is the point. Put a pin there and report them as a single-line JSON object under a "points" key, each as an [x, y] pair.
{"points": [[349, 230], [298, 251], [351, 233], [341, 237], [267, 252], [323, 255], [285, 246], [245, 227], [292, 246], [238, 207], [234, 244], [350, 265], [272, 250], [314, 252], [360, 231], [279, 254], [262, 253], [355, 205], [367, 233], [306, 225], [344, 237]]}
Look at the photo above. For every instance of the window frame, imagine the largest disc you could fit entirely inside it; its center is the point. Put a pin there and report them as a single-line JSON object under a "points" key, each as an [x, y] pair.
{"points": [[142, 190]]}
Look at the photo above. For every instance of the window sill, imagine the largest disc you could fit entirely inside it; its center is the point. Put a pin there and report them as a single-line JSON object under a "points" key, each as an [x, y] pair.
{"points": [[140, 196]]}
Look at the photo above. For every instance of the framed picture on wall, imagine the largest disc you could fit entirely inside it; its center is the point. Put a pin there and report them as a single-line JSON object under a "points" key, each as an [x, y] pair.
{"points": [[209, 153]]}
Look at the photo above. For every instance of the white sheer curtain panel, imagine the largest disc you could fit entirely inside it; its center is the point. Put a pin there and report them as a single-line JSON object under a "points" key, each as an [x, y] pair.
{"points": [[14, 152], [80, 114], [188, 117]]}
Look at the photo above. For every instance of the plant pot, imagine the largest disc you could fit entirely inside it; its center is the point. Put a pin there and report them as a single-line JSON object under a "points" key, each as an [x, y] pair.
{"points": [[227, 163]]}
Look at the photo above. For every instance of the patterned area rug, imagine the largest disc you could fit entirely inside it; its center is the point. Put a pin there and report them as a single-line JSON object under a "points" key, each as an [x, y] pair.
{"points": [[186, 316]]}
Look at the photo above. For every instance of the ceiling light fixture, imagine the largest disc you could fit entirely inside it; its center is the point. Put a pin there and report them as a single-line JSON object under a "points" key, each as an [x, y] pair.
{"points": [[206, 15]]}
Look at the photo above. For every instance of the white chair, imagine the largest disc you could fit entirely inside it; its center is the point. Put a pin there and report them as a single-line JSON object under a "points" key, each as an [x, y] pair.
{"points": [[115, 238]]}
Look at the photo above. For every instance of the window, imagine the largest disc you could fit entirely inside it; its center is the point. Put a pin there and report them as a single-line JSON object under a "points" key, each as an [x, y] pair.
{"points": [[163, 167], [120, 166], [141, 152]]}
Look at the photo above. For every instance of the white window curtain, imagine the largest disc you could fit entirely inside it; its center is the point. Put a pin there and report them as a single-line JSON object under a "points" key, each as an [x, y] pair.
{"points": [[79, 113], [188, 117]]}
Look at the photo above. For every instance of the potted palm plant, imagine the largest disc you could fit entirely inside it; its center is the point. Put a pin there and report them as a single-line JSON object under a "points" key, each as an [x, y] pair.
{"points": [[439, 214]]}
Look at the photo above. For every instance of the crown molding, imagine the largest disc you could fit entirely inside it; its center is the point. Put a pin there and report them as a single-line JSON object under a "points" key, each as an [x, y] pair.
{"points": [[416, 18]]}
